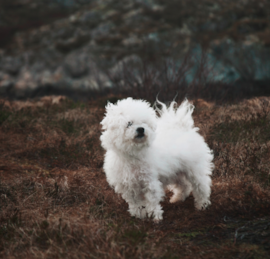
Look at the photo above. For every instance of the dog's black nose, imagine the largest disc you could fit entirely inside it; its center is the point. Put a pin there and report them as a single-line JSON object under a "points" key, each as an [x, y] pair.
{"points": [[140, 131]]}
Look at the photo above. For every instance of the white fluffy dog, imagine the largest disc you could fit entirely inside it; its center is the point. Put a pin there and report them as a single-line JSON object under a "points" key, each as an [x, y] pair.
{"points": [[147, 153]]}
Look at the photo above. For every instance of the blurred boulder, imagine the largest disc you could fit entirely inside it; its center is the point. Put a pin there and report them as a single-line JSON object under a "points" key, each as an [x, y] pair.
{"points": [[76, 65], [11, 65], [77, 41]]}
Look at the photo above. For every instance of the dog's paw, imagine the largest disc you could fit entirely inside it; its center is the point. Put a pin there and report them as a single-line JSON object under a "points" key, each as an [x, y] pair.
{"points": [[175, 198], [178, 197], [138, 212], [157, 221], [158, 216], [142, 213], [202, 205]]}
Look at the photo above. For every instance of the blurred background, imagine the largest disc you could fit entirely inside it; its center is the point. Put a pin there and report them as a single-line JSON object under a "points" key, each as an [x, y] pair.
{"points": [[83, 48]]}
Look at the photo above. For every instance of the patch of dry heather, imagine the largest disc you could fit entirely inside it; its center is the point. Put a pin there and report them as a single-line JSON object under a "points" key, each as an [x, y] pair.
{"points": [[55, 201]]}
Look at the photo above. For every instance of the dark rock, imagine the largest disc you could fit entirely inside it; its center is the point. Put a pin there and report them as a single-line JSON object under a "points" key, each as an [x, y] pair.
{"points": [[102, 30], [75, 42], [91, 19], [26, 80], [63, 33], [76, 66], [11, 65], [252, 62], [215, 26], [111, 39], [6, 82]]}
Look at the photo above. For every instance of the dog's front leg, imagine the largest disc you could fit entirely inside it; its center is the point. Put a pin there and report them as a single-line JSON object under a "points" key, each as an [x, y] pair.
{"points": [[137, 211], [153, 196], [136, 203]]}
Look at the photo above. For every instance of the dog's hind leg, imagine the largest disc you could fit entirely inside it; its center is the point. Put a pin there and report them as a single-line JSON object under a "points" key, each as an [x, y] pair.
{"points": [[180, 191], [201, 189]]}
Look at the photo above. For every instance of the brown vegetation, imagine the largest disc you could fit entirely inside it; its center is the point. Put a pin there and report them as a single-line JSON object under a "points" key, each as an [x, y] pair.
{"points": [[55, 201]]}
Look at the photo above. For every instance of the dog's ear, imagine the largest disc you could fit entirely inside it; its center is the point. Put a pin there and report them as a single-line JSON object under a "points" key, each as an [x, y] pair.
{"points": [[113, 116], [108, 116]]}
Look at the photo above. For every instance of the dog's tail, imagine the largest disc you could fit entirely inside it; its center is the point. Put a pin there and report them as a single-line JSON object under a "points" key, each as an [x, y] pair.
{"points": [[180, 117]]}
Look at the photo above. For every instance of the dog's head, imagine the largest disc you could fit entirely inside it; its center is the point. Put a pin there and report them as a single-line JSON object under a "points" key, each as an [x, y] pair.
{"points": [[128, 125]]}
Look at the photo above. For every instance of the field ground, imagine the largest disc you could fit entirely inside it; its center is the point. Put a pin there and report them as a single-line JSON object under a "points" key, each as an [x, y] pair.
{"points": [[55, 201]]}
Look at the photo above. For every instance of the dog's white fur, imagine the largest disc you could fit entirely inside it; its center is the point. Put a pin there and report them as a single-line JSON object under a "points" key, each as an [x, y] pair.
{"points": [[170, 154]]}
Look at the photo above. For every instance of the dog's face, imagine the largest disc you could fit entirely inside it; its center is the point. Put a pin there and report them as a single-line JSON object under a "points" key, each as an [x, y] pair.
{"points": [[128, 125]]}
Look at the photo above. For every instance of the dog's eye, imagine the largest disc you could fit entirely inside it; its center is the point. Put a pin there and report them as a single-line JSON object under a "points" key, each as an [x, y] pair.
{"points": [[129, 124]]}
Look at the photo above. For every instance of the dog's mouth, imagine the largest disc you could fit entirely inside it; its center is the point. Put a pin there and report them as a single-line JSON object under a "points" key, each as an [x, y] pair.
{"points": [[140, 136]]}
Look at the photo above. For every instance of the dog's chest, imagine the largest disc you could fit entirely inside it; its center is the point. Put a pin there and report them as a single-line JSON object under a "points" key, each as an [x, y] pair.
{"points": [[138, 172]]}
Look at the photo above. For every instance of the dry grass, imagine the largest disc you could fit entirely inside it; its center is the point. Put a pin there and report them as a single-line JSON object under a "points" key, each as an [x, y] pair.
{"points": [[55, 201]]}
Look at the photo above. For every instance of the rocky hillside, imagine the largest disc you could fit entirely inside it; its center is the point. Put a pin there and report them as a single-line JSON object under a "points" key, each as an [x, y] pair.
{"points": [[49, 46]]}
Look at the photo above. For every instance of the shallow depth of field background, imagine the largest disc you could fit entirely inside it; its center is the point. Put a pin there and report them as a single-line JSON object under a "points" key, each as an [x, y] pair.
{"points": [[61, 61]]}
